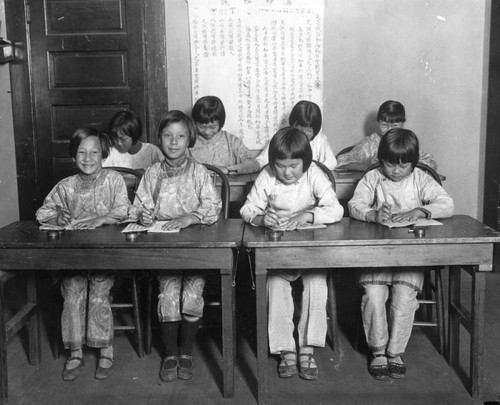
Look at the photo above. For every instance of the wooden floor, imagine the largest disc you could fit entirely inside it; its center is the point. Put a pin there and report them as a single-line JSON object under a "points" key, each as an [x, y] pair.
{"points": [[343, 377]]}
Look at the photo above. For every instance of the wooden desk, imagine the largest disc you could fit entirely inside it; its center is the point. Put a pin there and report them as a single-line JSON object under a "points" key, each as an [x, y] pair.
{"points": [[461, 242], [345, 184], [24, 247], [240, 185]]}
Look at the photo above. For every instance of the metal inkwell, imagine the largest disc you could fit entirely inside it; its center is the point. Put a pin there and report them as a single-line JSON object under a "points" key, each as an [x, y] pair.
{"points": [[274, 235], [54, 234], [418, 231], [131, 236]]}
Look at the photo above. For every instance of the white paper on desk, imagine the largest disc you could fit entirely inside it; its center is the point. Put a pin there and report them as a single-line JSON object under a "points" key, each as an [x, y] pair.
{"points": [[155, 227], [419, 222], [311, 226], [69, 227], [301, 227]]}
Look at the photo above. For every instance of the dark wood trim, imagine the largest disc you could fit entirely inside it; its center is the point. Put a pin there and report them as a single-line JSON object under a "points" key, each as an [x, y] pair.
{"points": [[155, 70], [25, 143], [491, 200], [491, 203]]}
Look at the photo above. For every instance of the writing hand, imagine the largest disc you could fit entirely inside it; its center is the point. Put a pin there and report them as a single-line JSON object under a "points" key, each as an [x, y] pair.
{"points": [[146, 217], [294, 222], [271, 219], [178, 223], [90, 223], [383, 214], [412, 215], [63, 216]]}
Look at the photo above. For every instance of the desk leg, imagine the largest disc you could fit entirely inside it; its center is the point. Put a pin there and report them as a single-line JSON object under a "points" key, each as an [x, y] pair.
{"points": [[477, 334], [4, 390], [453, 319], [228, 333], [472, 321], [33, 324], [262, 343]]}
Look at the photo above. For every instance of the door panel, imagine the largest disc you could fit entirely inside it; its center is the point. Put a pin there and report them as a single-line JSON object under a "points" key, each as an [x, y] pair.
{"points": [[87, 64]]}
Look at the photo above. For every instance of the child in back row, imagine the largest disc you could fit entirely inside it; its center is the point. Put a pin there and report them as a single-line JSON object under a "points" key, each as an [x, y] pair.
{"points": [[391, 114], [178, 190], [215, 146], [306, 116], [125, 129], [290, 192], [395, 191], [93, 197]]}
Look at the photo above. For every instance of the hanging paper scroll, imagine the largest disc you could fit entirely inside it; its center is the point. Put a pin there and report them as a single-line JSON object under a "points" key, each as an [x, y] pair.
{"points": [[260, 57]]}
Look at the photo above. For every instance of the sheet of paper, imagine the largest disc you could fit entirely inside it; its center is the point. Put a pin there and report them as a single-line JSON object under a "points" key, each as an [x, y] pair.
{"points": [[311, 226], [133, 227], [156, 227], [420, 222], [69, 227]]}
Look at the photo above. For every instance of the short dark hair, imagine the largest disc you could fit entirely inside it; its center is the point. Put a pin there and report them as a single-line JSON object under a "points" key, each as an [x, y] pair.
{"points": [[126, 122], [399, 145], [209, 109], [290, 143], [391, 111], [306, 114], [81, 133], [173, 116]]}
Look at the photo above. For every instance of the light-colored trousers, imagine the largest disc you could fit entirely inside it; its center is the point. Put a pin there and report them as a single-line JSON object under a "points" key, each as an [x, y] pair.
{"points": [[391, 334], [312, 325], [172, 285], [95, 328]]}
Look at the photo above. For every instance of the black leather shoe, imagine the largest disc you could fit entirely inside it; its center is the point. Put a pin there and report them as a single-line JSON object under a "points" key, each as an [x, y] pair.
{"points": [[379, 371], [168, 371], [185, 371], [104, 372], [73, 373], [396, 370]]}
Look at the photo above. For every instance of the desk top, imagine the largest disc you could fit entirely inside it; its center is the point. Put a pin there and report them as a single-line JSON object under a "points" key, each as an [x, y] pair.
{"points": [[347, 176], [459, 229], [26, 235], [341, 176]]}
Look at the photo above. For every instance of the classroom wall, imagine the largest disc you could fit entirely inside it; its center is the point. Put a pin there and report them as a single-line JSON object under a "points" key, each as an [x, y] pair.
{"points": [[429, 55], [9, 210]]}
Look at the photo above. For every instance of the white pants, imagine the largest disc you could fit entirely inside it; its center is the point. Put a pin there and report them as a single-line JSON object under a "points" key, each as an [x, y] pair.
{"points": [[392, 335], [312, 325]]}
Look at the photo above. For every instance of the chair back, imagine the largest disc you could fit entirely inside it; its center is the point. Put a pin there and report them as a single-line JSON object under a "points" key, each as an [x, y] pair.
{"points": [[328, 172], [225, 189], [426, 168], [345, 150], [132, 179]]}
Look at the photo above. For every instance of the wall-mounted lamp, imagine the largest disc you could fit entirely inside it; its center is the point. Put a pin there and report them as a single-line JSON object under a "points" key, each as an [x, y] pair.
{"points": [[6, 50]]}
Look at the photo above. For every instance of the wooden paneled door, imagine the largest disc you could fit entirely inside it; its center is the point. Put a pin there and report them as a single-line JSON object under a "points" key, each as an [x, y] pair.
{"points": [[86, 60], [87, 63]]}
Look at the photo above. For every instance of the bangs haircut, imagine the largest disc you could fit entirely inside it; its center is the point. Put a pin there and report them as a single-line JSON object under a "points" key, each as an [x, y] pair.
{"points": [[209, 109], [391, 111], [125, 122], [174, 116], [290, 143], [81, 133], [399, 145], [306, 114]]}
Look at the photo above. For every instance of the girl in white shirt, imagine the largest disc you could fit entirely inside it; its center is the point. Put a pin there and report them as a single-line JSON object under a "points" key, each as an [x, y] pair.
{"points": [[125, 129], [306, 116], [290, 192]]}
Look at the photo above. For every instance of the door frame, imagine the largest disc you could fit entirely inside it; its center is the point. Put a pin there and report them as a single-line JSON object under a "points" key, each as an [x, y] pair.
{"points": [[17, 16]]}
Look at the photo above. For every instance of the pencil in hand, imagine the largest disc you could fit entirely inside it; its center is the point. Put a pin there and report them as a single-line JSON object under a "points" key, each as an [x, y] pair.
{"points": [[150, 212]]}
